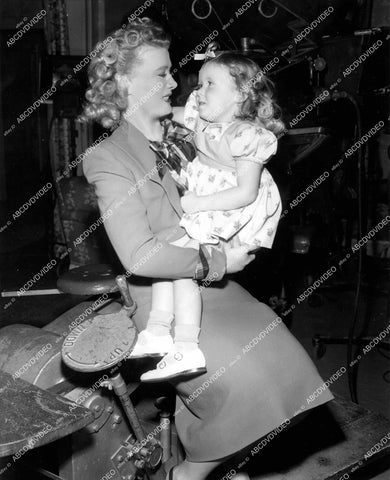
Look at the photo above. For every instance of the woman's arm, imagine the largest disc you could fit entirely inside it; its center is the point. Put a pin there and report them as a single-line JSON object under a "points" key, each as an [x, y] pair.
{"points": [[248, 180], [139, 249]]}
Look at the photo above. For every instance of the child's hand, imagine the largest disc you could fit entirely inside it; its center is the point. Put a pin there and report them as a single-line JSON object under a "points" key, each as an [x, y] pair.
{"points": [[190, 202]]}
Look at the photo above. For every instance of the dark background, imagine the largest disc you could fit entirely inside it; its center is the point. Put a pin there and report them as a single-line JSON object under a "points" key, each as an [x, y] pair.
{"points": [[311, 238]]}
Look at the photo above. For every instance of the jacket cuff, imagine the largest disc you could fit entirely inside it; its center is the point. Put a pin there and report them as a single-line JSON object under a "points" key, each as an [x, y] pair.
{"points": [[211, 265]]}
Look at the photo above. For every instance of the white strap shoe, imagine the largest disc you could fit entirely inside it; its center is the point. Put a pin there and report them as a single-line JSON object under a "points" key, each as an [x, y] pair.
{"points": [[175, 364], [150, 345]]}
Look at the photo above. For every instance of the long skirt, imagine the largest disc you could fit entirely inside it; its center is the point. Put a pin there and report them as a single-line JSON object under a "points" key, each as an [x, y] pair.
{"points": [[258, 375]]}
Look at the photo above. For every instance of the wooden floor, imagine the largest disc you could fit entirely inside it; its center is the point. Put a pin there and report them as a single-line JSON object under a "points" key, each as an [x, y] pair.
{"points": [[333, 444], [330, 443]]}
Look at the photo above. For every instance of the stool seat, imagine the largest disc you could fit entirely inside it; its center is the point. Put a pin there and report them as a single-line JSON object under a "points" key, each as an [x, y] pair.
{"points": [[99, 342], [88, 280]]}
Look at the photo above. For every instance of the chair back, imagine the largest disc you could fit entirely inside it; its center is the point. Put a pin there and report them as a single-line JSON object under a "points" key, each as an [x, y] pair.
{"points": [[79, 213]]}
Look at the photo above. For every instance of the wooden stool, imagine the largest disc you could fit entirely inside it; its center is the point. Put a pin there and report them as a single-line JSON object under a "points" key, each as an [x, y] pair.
{"points": [[88, 280]]}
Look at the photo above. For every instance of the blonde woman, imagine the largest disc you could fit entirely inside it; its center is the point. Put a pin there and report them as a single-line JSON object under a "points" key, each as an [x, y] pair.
{"points": [[258, 375]]}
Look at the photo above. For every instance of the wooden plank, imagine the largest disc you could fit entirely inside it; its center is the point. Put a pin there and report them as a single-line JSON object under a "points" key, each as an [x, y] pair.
{"points": [[332, 441], [32, 417]]}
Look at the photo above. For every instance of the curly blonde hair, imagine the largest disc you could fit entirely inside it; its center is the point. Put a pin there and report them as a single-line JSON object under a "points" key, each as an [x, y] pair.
{"points": [[259, 104], [106, 98]]}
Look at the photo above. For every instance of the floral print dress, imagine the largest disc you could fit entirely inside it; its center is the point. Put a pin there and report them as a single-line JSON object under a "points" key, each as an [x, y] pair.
{"points": [[219, 146]]}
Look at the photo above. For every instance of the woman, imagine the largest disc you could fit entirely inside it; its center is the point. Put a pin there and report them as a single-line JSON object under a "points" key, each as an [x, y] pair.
{"points": [[258, 375]]}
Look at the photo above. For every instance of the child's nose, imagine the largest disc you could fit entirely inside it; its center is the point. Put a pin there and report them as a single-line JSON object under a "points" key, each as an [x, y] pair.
{"points": [[199, 93]]}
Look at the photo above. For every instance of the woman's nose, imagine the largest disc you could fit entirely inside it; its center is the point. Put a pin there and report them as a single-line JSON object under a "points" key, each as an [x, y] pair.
{"points": [[172, 83]]}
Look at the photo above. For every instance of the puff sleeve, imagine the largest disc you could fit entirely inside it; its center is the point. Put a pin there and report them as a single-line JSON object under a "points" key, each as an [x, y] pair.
{"points": [[252, 142], [191, 112]]}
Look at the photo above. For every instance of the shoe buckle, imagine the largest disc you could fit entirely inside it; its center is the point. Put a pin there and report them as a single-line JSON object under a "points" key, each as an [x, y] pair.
{"points": [[178, 356]]}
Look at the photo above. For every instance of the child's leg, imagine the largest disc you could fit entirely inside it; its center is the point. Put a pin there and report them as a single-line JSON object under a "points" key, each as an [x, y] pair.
{"points": [[161, 314], [188, 313], [187, 306], [156, 340], [186, 357]]}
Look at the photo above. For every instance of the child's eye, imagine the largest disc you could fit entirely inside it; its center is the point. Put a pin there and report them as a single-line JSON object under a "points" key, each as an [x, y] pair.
{"points": [[209, 82]]}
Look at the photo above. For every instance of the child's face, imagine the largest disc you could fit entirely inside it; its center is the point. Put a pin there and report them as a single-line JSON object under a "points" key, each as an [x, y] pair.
{"points": [[217, 94]]}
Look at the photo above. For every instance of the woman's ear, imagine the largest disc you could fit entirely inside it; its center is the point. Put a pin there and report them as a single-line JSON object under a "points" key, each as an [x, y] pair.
{"points": [[124, 83]]}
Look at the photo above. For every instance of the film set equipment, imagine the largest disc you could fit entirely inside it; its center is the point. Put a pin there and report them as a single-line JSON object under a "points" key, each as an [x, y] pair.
{"points": [[332, 61]]}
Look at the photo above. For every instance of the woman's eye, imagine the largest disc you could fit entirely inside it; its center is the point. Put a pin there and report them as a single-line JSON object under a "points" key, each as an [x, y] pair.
{"points": [[165, 74]]}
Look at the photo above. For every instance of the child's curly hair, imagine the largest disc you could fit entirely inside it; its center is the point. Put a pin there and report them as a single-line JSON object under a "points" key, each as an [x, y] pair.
{"points": [[106, 98], [259, 104]]}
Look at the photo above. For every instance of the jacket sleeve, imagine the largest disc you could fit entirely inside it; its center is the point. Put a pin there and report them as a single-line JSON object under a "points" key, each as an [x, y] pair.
{"points": [[125, 219]]}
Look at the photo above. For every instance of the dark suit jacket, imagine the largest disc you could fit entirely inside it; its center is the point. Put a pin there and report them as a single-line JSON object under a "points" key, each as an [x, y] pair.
{"points": [[251, 386], [141, 211]]}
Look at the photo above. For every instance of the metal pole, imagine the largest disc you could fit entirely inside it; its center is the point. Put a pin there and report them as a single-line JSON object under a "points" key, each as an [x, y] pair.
{"points": [[120, 389]]}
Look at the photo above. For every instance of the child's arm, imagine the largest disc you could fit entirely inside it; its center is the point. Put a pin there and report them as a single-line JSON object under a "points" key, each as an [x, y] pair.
{"points": [[248, 180], [178, 115]]}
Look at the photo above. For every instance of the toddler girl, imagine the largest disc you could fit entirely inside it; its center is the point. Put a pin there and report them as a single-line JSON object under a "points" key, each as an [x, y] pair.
{"points": [[232, 199]]}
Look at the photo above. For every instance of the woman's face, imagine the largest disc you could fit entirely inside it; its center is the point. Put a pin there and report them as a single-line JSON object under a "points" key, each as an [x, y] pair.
{"points": [[150, 84]]}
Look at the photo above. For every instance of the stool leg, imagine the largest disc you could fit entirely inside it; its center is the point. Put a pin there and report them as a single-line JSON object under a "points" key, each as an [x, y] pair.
{"points": [[120, 389], [125, 292], [152, 469]]}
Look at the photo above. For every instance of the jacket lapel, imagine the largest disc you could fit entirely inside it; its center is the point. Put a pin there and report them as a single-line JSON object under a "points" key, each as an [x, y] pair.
{"points": [[136, 145]]}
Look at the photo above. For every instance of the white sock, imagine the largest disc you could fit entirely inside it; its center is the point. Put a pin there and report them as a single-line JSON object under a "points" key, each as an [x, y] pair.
{"points": [[159, 322], [186, 337]]}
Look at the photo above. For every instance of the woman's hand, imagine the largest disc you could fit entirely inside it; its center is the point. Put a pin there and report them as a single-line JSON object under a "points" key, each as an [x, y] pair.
{"points": [[190, 203], [237, 258]]}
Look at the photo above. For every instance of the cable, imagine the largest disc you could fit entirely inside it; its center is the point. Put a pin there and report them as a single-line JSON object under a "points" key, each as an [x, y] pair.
{"points": [[211, 9], [196, 15], [385, 375], [261, 11], [352, 369], [225, 30], [221, 40], [352, 366]]}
